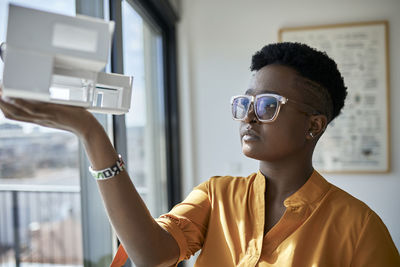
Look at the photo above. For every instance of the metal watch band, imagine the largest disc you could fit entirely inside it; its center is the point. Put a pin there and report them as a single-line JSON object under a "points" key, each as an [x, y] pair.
{"points": [[110, 172]]}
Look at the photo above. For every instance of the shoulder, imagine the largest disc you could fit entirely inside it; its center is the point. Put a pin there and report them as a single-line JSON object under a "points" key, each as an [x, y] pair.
{"points": [[342, 199], [361, 229], [348, 209]]}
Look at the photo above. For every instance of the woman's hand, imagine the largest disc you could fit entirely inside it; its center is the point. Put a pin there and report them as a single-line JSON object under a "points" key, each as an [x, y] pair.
{"points": [[70, 118]]}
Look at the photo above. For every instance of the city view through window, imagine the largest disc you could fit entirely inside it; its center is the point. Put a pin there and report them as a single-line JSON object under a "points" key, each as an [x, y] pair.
{"points": [[40, 223], [40, 201]]}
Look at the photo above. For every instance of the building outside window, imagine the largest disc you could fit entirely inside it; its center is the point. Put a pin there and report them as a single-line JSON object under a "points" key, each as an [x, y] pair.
{"points": [[39, 182], [48, 203]]}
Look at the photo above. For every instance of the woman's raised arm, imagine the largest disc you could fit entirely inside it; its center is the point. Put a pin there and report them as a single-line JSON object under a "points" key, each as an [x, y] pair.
{"points": [[145, 241]]}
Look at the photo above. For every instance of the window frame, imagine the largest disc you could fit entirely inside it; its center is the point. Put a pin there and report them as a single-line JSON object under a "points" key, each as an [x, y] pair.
{"points": [[98, 250], [160, 14]]}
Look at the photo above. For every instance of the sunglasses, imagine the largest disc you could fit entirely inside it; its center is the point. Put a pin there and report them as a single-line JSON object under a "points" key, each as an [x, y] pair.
{"points": [[266, 107]]}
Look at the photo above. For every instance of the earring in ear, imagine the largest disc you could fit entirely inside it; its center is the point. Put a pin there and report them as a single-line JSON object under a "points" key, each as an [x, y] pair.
{"points": [[311, 134]]}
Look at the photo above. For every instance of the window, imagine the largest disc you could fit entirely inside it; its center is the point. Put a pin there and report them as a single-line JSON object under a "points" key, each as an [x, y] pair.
{"points": [[43, 172], [39, 182], [148, 46], [142, 54]]}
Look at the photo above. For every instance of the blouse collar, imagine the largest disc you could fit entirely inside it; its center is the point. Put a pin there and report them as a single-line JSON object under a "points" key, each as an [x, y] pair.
{"points": [[312, 191]]}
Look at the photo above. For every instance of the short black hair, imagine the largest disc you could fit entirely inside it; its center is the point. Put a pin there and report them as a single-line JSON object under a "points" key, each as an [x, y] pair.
{"points": [[309, 63]]}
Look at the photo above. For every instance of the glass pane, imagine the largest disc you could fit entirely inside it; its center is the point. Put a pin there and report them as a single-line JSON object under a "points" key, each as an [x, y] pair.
{"points": [[142, 54], [40, 207]]}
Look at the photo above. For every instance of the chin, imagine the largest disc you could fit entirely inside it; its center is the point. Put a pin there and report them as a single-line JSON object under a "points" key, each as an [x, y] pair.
{"points": [[253, 153], [261, 153]]}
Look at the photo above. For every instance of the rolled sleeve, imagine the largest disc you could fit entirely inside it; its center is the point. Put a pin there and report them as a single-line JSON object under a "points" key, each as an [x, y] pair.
{"points": [[187, 222]]}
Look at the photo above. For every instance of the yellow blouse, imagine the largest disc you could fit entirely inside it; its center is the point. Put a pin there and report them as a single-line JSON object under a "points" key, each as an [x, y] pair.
{"points": [[322, 226]]}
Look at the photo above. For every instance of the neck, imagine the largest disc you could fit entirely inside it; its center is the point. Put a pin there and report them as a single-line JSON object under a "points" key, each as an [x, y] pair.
{"points": [[285, 177]]}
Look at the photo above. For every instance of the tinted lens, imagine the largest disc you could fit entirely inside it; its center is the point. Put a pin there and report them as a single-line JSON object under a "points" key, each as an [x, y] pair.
{"points": [[266, 107], [240, 106]]}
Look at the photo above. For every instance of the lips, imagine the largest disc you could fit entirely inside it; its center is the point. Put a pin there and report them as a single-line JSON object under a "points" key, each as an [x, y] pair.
{"points": [[249, 135]]}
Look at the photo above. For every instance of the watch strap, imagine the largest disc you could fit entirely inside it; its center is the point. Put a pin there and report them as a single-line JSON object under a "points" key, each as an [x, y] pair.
{"points": [[110, 172]]}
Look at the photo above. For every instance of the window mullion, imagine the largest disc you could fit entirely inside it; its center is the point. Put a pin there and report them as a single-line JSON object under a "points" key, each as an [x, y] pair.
{"points": [[97, 233]]}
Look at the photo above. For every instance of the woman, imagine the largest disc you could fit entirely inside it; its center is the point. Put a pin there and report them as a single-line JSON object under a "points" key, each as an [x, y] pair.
{"points": [[286, 214]]}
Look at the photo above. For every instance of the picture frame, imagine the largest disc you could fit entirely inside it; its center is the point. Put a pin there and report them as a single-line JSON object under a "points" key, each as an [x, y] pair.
{"points": [[358, 140]]}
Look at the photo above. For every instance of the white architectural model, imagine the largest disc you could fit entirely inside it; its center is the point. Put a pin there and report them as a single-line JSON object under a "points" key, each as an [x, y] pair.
{"points": [[57, 58]]}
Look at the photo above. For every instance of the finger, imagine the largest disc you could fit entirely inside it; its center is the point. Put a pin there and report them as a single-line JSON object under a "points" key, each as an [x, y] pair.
{"points": [[33, 112], [11, 112], [12, 117], [36, 109], [43, 108]]}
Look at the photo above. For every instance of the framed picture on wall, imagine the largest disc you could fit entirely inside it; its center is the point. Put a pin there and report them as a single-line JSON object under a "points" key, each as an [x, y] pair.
{"points": [[358, 140]]}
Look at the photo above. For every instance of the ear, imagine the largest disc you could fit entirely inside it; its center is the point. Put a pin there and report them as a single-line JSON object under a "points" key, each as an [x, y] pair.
{"points": [[317, 126]]}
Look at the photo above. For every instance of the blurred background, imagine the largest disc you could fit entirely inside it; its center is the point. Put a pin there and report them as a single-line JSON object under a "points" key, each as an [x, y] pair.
{"points": [[216, 40], [187, 58]]}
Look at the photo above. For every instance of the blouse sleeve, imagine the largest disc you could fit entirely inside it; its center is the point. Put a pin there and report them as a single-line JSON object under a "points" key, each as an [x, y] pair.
{"points": [[375, 246], [187, 222]]}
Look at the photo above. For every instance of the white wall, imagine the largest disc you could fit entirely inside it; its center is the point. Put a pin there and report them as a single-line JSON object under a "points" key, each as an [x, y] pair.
{"points": [[216, 39]]}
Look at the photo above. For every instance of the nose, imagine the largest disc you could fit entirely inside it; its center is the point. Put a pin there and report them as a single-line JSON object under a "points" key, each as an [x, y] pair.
{"points": [[251, 114]]}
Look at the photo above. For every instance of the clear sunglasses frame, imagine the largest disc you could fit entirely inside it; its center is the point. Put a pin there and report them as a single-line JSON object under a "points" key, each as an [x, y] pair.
{"points": [[281, 100]]}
